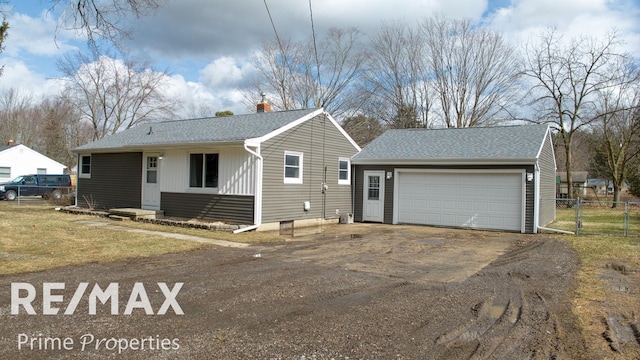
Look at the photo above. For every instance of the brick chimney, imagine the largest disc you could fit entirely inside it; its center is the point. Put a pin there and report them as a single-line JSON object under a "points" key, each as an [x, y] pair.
{"points": [[264, 106], [11, 142]]}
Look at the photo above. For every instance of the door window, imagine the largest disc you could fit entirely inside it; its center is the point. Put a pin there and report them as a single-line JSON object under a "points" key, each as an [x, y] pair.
{"points": [[152, 169], [374, 187]]}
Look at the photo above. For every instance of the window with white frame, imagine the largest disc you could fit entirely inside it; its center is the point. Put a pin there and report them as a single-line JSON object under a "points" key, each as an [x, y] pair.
{"points": [[292, 167], [5, 172], [84, 168], [203, 170], [344, 171]]}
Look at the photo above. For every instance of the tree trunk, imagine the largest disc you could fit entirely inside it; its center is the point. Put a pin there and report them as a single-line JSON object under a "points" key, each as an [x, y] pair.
{"points": [[616, 196], [567, 148]]}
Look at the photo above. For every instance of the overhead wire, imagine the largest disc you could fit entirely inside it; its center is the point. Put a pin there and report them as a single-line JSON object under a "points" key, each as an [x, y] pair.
{"points": [[273, 25]]}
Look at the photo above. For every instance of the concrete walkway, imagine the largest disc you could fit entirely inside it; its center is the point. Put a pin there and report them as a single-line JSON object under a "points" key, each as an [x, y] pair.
{"points": [[199, 239]]}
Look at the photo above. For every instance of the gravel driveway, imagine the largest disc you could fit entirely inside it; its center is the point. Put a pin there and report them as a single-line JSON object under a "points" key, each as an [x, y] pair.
{"points": [[358, 291]]}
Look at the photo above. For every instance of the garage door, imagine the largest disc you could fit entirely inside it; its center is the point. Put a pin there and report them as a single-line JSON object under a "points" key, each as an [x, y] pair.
{"points": [[477, 200]]}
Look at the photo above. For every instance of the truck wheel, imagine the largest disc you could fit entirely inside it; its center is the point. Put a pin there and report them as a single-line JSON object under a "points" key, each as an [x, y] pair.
{"points": [[10, 195], [56, 195]]}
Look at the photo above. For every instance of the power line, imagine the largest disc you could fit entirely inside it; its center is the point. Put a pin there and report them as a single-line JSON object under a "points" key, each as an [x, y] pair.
{"points": [[315, 47], [273, 25]]}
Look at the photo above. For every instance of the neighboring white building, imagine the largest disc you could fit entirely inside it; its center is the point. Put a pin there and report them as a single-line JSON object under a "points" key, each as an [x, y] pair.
{"points": [[17, 159]]}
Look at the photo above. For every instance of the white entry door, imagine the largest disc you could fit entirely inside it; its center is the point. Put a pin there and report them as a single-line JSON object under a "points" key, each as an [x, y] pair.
{"points": [[150, 182], [373, 196]]}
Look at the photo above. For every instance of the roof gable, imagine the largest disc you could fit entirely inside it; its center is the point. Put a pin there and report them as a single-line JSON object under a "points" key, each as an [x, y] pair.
{"points": [[490, 144], [227, 129], [14, 153]]}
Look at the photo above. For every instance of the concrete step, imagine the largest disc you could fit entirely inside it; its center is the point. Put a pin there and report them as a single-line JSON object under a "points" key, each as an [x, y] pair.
{"points": [[135, 214]]}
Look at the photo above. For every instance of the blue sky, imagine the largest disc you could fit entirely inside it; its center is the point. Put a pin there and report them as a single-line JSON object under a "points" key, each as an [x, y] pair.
{"points": [[207, 45]]}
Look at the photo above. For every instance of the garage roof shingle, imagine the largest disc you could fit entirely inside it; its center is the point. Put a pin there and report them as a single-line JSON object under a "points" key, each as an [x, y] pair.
{"points": [[502, 143]]}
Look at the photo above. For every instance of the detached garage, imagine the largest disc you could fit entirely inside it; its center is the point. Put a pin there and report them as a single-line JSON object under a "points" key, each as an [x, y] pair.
{"points": [[498, 178]]}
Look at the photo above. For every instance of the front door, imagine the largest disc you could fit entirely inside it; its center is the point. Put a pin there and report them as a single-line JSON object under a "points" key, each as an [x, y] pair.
{"points": [[150, 182], [373, 196]]}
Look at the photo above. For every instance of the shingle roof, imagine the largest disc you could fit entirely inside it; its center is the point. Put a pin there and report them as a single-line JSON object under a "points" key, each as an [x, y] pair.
{"points": [[205, 130], [3, 148], [455, 144]]}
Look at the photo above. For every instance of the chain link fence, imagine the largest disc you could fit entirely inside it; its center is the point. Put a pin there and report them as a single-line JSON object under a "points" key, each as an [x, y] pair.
{"points": [[602, 217], [19, 193]]}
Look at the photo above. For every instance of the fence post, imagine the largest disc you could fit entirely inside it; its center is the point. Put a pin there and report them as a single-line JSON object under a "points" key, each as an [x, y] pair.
{"points": [[578, 216], [626, 218], [19, 187]]}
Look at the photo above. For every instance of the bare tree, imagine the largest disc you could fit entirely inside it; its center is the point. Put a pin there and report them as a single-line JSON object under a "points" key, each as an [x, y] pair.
{"points": [[362, 129], [296, 76], [618, 128], [277, 64], [474, 72], [16, 120], [61, 129], [101, 19], [114, 95], [397, 83], [4, 32], [566, 79]]}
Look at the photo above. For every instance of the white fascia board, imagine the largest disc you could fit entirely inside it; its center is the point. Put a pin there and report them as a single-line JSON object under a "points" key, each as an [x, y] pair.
{"points": [[443, 162], [281, 130]]}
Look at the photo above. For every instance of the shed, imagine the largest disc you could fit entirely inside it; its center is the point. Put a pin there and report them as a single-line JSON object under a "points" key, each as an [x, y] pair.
{"points": [[499, 178]]}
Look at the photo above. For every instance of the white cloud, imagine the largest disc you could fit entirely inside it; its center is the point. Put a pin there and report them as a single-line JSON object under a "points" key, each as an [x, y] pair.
{"points": [[36, 36], [225, 72], [194, 96], [17, 75], [525, 18]]}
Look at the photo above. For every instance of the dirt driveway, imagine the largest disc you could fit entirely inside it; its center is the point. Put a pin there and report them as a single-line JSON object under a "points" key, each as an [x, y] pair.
{"points": [[355, 291]]}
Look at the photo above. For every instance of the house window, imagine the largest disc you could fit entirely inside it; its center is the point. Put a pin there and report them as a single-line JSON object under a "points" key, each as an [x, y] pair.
{"points": [[41, 171], [292, 167], [5, 172], [344, 171], [203, 170], [85, 166]]}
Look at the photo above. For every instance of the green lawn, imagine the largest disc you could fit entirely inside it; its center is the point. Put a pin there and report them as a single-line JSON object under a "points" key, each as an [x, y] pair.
{"points": [[598, 220]]}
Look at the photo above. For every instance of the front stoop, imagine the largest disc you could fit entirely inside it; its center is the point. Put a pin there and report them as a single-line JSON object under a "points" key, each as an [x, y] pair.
{"points": [[136, 214]]}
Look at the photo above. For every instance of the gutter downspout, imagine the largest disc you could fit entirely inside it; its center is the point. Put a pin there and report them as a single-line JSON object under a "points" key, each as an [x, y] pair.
{"points": [[556, 230], [257, 207], [536, 198]]}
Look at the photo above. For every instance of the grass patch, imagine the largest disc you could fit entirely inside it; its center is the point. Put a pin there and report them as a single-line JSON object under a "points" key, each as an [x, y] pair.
{"points": [[601, 247], [594, 299], [598, 220], [36, 238], [246, 237]]}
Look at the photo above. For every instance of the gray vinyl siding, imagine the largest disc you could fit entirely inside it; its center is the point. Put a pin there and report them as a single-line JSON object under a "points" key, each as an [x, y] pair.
{"points": [[116, 181], [546, 163], [359, 191], [389, 190], [237, 209], [322, 144]]}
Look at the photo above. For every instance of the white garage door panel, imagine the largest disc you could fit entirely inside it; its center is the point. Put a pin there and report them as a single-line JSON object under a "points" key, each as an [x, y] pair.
{"points": [[483, 200]]}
